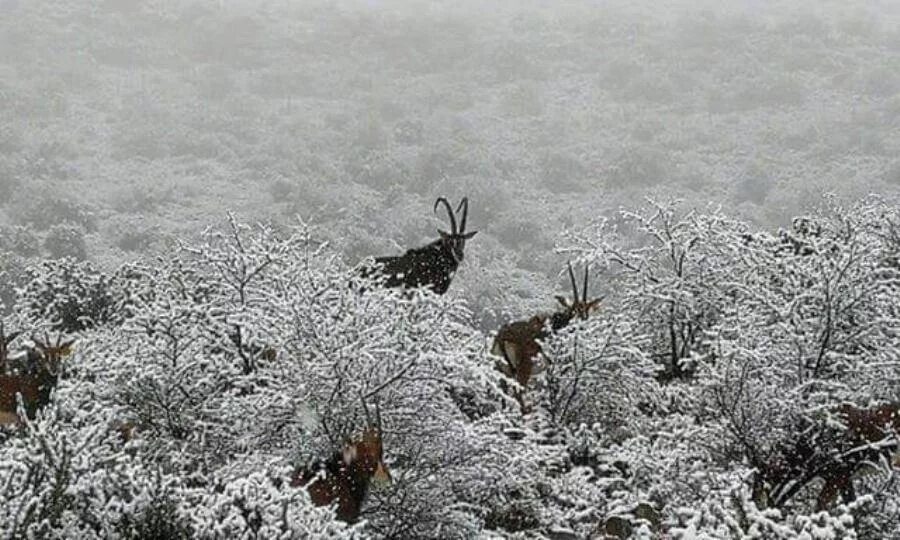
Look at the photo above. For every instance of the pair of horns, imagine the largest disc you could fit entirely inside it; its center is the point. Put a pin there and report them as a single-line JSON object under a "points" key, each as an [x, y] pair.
{"points": [[6, 339], [463, 205], [377, 424], [584, 290], [57, 346]]}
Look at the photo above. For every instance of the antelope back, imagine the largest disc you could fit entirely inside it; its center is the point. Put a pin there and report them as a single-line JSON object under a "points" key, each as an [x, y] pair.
{"points": [[844, 453], [863, 427], [871, 425]]}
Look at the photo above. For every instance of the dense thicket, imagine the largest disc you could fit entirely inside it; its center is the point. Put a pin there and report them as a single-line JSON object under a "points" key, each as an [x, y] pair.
{"points": [[714, 342]]}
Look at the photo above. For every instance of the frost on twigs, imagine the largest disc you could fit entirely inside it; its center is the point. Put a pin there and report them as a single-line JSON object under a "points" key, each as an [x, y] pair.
{"points": [[721, 389]]}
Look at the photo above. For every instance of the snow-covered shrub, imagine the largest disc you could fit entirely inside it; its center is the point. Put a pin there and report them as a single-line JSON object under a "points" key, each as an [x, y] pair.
{"points": [[204, 379], [71, 295], [66, 240]]}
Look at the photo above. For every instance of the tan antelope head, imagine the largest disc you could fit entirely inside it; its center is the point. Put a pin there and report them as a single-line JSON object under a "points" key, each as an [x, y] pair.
{"points": [[34, 388], [344, 478], [518, 344]]}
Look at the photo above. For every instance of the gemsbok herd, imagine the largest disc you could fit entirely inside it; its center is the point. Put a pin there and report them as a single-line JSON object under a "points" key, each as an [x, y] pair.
{"points": [[864, 436]]}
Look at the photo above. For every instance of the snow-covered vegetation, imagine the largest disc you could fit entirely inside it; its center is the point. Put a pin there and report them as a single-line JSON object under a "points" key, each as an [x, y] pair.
{"points": [[192, 190], [203, 380]]}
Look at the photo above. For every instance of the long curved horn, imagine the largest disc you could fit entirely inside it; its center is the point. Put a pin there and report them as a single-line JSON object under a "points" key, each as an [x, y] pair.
{"points": [[6, 339], [365, 410], [464, 206], [378, 418], [584, 291], [453, 229], [574, 285], [40, 344]]}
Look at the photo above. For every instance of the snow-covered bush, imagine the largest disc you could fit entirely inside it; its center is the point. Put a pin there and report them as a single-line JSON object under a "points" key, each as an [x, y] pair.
{"points": [[204, 379]]}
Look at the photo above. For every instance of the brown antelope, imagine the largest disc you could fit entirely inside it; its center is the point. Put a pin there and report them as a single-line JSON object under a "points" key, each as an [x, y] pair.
{"points": [[344, 478], [519, 343], [432, 265], [863, 438], [34, 388]]}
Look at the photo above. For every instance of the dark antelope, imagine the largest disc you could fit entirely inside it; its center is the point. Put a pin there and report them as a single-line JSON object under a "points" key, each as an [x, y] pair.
{"points": [[863, 438], [432, 265], [519, 343], [34, 388], [344, 478]]}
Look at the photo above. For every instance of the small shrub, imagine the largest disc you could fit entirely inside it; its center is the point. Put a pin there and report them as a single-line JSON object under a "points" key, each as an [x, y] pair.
{"points": [[43, 212], [158, 521], [73, 294], [66, 240], [20, 240]]}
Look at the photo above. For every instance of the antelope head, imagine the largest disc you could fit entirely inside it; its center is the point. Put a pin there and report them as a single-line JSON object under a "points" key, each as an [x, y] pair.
{"points": [[49, 357], [455, 240], [367, 452], [580, 306], [33, 388]]}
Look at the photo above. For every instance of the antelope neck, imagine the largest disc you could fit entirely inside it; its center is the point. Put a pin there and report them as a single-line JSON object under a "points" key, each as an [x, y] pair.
{"points": [[560, 320], [46, 381]]}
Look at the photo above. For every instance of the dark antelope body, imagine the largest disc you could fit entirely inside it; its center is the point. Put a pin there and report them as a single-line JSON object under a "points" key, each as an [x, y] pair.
{"points": [[433, 265], [344, 478], [518, 344], [864, 438], [35, 388]]}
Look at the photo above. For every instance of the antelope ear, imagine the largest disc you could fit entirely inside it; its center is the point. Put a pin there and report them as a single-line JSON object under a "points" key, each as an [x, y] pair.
{"points": [[467, 236], [67, 348], [382, 476], [444, 234], [594, 303], [562, 300]]}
